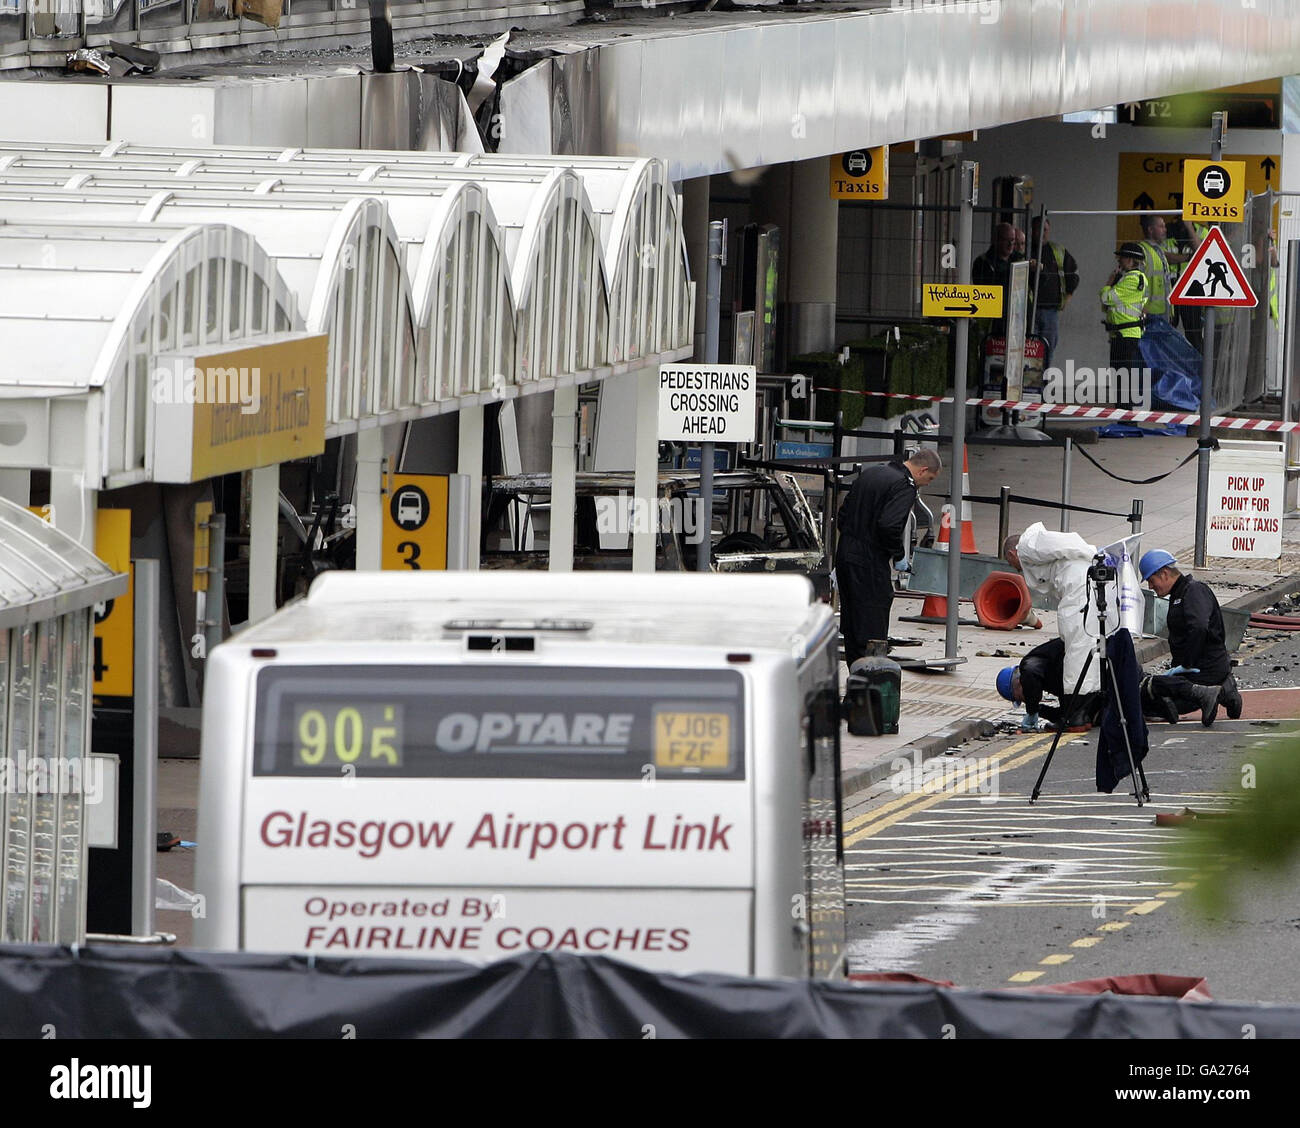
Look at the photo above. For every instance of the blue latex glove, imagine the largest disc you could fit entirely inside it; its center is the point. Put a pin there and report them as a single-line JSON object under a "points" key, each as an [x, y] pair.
{"points": [[1185, 670], [902, 566]]}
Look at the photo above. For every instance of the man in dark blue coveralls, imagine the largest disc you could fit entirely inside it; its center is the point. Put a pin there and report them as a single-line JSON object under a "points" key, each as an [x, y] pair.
{"points": [[1201, 677], [872, 521]]}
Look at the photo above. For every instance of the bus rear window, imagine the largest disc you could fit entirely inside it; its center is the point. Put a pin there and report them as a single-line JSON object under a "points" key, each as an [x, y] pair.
{"points": [[505, 722]]}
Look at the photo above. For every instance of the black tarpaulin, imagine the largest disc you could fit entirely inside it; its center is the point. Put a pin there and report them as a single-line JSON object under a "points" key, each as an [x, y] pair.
{"points": [[113, 992]]}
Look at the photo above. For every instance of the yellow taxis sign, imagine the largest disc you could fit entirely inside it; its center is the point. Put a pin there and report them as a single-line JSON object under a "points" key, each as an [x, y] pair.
{"points": [[862, 174], [415, 522], [1214, 191], [957, 299]]}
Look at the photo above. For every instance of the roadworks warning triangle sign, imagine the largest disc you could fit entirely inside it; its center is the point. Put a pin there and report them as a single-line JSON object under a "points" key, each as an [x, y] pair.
{"points": [[1213, 277]]}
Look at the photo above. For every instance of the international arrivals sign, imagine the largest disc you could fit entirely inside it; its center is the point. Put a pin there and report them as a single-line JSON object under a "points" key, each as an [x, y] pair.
{"points": [[712, 403]]}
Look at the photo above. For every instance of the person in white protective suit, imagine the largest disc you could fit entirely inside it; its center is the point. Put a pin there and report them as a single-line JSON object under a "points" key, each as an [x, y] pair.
{"points": [[1056, 564]]}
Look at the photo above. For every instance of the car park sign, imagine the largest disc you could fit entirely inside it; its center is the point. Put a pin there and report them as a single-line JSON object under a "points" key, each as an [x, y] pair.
{"points": [[711, 403]]}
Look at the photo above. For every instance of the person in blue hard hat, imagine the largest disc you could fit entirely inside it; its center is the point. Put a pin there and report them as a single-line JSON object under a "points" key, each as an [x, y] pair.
{"points": [[1201, 676], [1041, 671]]}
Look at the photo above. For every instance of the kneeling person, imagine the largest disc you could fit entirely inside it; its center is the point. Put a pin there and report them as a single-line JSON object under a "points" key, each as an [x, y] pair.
{"points": [[1201, 677], [1043, 670]]}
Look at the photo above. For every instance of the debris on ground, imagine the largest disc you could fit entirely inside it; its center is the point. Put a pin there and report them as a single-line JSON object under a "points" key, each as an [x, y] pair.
{"points": [[1188, 817], [1287, 605], [175, 899]]}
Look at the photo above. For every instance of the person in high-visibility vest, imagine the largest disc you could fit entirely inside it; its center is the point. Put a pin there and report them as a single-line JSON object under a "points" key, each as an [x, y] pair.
{"points": [[1124, 298], [1157, 264]]}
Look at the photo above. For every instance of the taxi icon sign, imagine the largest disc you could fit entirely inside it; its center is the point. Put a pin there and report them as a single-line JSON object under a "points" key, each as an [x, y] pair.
{"points": [[1214, 182], [409, 507], [857, 163]]}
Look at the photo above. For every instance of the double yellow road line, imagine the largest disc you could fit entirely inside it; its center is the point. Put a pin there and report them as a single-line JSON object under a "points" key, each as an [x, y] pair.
{"points": [[895, 810]]}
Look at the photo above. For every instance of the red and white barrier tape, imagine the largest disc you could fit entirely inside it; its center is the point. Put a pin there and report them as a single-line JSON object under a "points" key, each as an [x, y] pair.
{"points": [[1081, 411]]}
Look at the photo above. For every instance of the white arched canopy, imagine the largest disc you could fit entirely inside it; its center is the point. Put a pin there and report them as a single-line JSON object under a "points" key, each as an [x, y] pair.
{"points": [[440, 278], [90, 307], [631, 199]]}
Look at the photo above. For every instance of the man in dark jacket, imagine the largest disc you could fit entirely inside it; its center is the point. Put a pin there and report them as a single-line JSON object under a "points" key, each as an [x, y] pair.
{"points": [[993, 268], [871, 526], [1057, 278], [1201, 676]]}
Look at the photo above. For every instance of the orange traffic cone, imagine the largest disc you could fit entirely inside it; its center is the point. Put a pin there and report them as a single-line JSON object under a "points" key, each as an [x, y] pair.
{"points": [[1003, 602], [935, 607], [967, 519]]}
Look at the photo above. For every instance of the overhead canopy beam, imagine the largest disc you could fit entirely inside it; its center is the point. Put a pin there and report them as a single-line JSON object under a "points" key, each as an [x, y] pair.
{"points": [[717, 100]]}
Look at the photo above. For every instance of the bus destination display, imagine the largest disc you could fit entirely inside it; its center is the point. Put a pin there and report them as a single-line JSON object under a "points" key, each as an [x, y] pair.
{"points": [[332, 734], [428, 722]]}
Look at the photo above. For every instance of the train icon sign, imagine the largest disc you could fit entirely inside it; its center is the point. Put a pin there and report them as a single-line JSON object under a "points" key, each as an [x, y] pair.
{"points": [[1213, 277]]}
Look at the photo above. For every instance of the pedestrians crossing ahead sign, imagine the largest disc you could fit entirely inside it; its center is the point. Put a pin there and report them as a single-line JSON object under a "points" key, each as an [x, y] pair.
{"points": [[1213, 277]]}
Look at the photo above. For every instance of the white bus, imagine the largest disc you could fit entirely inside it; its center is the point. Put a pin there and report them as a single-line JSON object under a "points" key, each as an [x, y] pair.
{"points": [[473, 765]]}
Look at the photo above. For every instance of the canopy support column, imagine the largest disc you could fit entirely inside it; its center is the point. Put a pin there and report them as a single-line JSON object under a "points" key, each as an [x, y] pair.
{"points": [[263, 541], [370, 499], [564, 491], [644, 517], [469, 461], [73, 506]]}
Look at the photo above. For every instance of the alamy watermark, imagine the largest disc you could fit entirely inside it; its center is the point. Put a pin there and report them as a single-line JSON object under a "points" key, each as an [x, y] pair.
{"points": [[181, 384], [945, 774], [1094, 386], [626, 514], [990, 11], [38, 775]]}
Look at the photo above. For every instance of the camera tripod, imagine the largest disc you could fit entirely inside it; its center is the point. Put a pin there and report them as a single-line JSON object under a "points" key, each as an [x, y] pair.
{"points": [[1099, 575]]}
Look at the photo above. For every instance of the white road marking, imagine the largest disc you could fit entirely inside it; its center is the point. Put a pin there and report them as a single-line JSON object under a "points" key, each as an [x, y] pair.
{"points": [[897, 948]]}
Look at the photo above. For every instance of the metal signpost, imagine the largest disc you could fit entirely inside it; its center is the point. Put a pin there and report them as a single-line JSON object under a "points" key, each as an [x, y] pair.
{"points": [[710, 402], [1210, 191], [712, 315], [965, 228]]}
